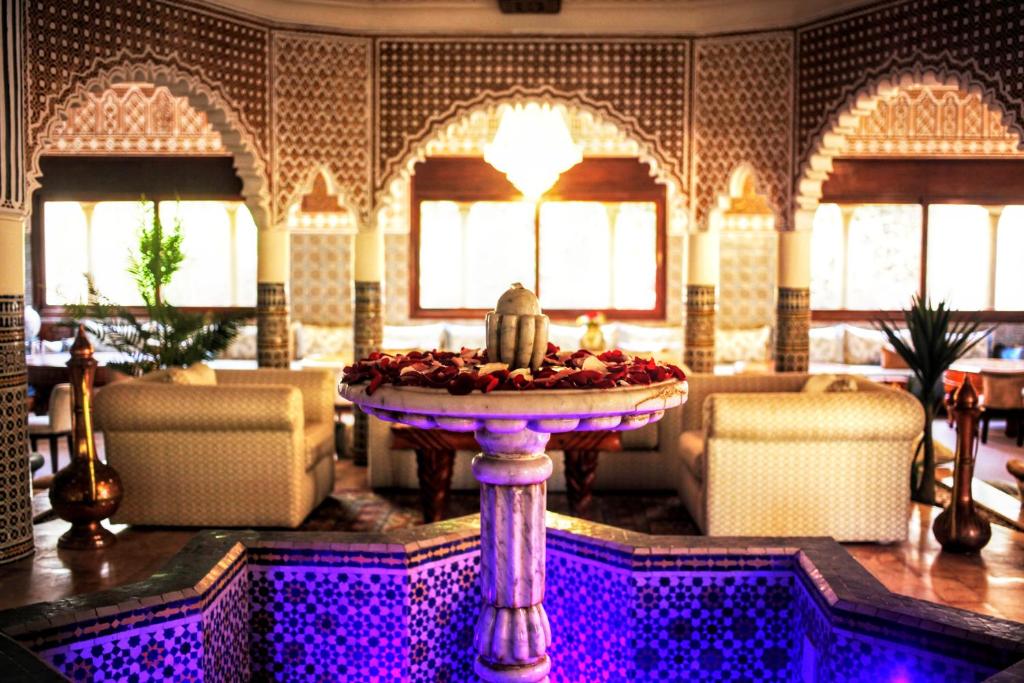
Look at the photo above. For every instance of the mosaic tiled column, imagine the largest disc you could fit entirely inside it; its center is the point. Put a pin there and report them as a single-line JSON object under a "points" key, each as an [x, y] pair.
{"points": [[15, 476], [273, 337], [701, 278], [368, 323], [793, 315]]}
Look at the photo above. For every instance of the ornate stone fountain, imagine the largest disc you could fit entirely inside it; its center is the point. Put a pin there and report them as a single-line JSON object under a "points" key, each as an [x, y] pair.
{"points": [[512, 635]]}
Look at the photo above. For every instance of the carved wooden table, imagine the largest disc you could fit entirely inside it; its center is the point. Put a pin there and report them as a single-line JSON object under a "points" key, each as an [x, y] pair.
{"points": [[435, 458], [513, 634]]}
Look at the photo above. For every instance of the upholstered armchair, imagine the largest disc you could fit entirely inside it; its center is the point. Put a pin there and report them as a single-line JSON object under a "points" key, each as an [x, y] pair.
{"points": [[1003, 396], [759, 457], [246, 448]]}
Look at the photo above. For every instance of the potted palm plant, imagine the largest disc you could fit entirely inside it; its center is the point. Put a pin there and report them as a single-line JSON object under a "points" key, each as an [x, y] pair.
{"points": [[933, 341], [165, 336]]}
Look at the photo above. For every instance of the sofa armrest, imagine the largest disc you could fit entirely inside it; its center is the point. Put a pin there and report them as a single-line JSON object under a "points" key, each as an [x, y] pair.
{"points": [[789, 416], [317, 386], [150, 406]]}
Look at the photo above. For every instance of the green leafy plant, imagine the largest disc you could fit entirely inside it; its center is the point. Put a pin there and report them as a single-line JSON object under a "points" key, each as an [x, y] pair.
{"points": [[933, 341], [166, 336]]}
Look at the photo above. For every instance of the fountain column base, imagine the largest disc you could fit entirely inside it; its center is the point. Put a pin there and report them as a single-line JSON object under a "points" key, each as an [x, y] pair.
{"points": [[513, 634]]}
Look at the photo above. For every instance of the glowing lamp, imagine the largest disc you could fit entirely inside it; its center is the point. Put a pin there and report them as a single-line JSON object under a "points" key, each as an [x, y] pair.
{"points": [[533, 147]]}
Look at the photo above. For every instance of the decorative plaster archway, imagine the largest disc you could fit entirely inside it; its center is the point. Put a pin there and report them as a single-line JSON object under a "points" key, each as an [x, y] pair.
{"points": [[334, 189], [831, 140], [392, 195], [416, 145], [236, 137]]}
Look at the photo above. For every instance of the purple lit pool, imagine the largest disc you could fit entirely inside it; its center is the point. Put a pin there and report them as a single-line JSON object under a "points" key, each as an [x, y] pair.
{"points": [[622, 606]]}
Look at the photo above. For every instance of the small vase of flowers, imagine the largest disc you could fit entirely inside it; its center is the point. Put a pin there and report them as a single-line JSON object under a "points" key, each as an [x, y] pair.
{"points": [[593, 336]]}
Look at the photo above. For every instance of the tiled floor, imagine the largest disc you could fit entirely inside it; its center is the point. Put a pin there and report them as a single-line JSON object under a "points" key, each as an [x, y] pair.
{"points": [[992, 583]]}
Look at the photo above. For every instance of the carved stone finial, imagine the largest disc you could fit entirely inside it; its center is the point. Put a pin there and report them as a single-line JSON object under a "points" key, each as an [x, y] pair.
{"points": [[517, 331]]}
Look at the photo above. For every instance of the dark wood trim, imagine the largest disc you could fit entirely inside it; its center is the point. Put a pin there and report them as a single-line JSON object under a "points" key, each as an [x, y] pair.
{"points": [[930, 181], [845, 315], [468, 179], [922, 282], [86, 179]]}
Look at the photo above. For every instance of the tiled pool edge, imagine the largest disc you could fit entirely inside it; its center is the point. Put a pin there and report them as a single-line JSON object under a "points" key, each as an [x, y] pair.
{"points": [[195, 577]]}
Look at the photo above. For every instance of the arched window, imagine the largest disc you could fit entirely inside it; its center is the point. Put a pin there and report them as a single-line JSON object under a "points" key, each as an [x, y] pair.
{"points": [[951, 230], [595, 241]]}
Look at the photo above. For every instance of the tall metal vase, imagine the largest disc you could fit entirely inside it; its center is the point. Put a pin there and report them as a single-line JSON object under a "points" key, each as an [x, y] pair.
{"points": [[959, 528], [88, 490]]}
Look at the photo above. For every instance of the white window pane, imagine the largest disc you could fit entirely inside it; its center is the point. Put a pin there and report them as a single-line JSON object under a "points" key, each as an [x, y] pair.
{"points": [[471, 253], [635, 247], [66, 249], [441, 262], [499, 251], [959, 256], [245, 258], [205, 276], [883, 256], [827, 258], [115, 229], [1009, 271], [575, 255]]}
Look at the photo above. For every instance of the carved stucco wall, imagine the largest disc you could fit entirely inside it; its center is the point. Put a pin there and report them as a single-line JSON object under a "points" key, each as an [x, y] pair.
{"points": [[321, 93], [321, 278], [218, 60], [933, 120], [741, 98], [134, 118], [643, 84], [978, 41], [742, 114]]}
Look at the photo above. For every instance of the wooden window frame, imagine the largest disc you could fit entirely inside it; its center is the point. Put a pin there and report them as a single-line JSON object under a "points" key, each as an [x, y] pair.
{"points": [[922, 182], [599, 179], [119, 179]]}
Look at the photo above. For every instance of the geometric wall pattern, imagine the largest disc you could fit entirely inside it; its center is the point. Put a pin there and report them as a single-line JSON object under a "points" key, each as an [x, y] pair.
{"points": [[835, 57], [69, 43], [321, 102], [641, 83], [321, 274], [134, 118], [937, 120], [742, 114], [746, 288]]}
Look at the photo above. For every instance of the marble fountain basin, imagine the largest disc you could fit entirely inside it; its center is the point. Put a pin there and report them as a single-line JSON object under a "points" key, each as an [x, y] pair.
{"points": [[242, 605]]}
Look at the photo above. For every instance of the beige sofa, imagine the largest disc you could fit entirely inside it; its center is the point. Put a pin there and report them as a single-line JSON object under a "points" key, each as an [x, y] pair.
{"points": [[758, 457], [254, 449]]}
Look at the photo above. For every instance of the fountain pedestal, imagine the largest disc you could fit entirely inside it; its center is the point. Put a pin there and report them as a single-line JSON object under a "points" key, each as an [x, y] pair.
{"points": [[513, 427]]}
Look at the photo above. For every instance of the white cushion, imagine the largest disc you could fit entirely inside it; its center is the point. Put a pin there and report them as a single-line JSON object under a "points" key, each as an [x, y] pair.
{"points": [[414, 337], [459, 336], [828, 344], [242, 347], [568, 336], [641, 339], [750, 344], [863, 346]]}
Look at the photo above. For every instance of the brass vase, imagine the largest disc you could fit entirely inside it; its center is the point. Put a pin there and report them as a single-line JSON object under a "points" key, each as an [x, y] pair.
{"points": [[959, 528], [88, 490], [593, 337]]}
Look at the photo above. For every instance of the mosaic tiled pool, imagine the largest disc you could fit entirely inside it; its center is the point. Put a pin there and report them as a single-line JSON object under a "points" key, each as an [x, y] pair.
{"points": [[623, 607]]}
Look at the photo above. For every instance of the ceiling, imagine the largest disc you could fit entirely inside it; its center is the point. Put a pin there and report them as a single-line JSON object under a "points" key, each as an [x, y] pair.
{"points": [[578, 17]]}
